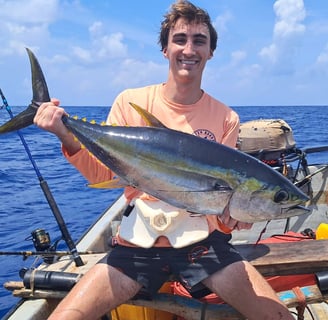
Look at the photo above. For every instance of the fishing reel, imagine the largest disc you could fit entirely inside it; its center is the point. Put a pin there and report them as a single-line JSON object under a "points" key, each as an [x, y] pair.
{"points": [[42, 244], [41, 239]]}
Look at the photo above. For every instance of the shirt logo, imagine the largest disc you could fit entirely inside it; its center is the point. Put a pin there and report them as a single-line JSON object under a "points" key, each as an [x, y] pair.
{"points": [[204, 133]]}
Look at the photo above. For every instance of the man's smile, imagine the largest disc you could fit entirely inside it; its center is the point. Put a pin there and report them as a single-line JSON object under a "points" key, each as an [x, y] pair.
{"points": [[189, 62]]}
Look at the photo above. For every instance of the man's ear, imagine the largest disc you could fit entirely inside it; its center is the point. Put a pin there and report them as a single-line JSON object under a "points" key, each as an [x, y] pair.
{"points": [[211, 55], [165, 52]]}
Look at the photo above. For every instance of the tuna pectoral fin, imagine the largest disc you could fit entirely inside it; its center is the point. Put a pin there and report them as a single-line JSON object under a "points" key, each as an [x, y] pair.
{"points": [[110, 184]]}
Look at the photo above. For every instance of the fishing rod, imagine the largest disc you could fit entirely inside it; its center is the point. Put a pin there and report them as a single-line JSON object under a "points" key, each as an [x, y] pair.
{"points": [[45, 253], [315, 149], [45, 188], [307, 178]]}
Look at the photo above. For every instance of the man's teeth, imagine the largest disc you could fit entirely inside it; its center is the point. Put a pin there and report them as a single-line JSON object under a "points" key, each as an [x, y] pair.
{"points": [[188, 62]]}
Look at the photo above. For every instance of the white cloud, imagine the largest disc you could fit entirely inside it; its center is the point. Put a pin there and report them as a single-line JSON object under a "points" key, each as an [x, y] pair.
{"points": [[96, 29], [221, 22], [29, 11], [59, 58], [290, 14], [287, 33], [110, 46], [270, 52], [106, 45], [82, 54], [25, 23], [322, 59], [319, 70], [102, 46], [143, 73], [238, 56]]}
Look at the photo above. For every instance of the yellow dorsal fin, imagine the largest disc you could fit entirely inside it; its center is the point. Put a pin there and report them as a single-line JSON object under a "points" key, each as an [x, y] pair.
{"points": [[110, 184], [93, 121], [150, 120]]}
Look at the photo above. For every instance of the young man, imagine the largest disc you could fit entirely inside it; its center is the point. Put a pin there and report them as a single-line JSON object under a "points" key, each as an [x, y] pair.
{"points": [[202, 258]]}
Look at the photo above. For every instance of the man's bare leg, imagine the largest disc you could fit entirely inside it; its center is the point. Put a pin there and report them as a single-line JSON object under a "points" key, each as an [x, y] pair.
{"points": [[244, 288], [101, 289]]}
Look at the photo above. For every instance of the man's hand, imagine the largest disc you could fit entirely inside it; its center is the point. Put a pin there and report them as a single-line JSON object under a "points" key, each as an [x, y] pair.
{"points": [[49, 117], [231, 223]]}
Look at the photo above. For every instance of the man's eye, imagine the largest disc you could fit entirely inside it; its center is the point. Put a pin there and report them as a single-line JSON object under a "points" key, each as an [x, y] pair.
{"points": [[180, 41], [199, 42]]}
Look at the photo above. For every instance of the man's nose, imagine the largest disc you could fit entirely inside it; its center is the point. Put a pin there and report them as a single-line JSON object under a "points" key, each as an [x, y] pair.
{"points": [[189, 48]]}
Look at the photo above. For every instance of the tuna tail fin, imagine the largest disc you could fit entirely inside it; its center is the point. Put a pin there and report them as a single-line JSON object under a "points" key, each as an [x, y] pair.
{"points": [[40, 94], [39, 85]]}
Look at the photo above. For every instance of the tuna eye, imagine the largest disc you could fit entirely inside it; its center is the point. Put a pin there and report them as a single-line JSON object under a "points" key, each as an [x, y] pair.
{"points": [[281, 195]]}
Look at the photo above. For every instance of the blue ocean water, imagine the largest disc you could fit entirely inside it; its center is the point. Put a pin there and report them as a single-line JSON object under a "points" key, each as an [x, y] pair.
{"points": [[23, 207]]}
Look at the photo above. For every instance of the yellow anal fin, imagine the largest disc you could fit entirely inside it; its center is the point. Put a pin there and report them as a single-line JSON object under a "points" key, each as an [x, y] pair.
{"points": [[109, 184], [150, 120]]}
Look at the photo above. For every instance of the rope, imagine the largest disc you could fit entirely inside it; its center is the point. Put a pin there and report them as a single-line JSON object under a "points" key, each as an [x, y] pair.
{"points": [[262, 233], [301, 302]]}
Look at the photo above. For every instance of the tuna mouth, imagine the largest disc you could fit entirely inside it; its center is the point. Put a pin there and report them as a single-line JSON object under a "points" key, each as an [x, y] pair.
{"points": [[298, 207]]}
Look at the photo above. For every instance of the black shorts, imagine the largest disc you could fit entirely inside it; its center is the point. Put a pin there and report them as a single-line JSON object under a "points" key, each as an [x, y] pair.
{"points": [[189, 265]]}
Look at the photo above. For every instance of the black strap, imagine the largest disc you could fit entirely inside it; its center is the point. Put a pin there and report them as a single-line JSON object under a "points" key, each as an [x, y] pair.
{"points": [[128, 210]]}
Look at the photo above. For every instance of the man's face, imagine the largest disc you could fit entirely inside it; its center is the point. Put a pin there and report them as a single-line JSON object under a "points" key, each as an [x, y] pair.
{"points": [[188, 49]]}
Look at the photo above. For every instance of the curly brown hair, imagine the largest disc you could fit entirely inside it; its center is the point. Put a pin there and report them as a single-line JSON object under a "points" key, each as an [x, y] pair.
{"points": [[191, 13]]}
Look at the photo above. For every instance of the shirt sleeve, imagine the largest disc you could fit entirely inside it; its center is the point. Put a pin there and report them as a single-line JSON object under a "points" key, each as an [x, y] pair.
{"points": [[89, 166], [231, 131]]}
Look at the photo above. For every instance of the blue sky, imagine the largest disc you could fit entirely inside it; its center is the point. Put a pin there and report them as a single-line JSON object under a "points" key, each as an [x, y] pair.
{"points": [[269, 52]]}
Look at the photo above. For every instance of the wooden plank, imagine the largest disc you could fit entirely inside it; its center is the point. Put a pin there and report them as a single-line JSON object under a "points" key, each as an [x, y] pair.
{"points": [[287, 258], [189, 308]]}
